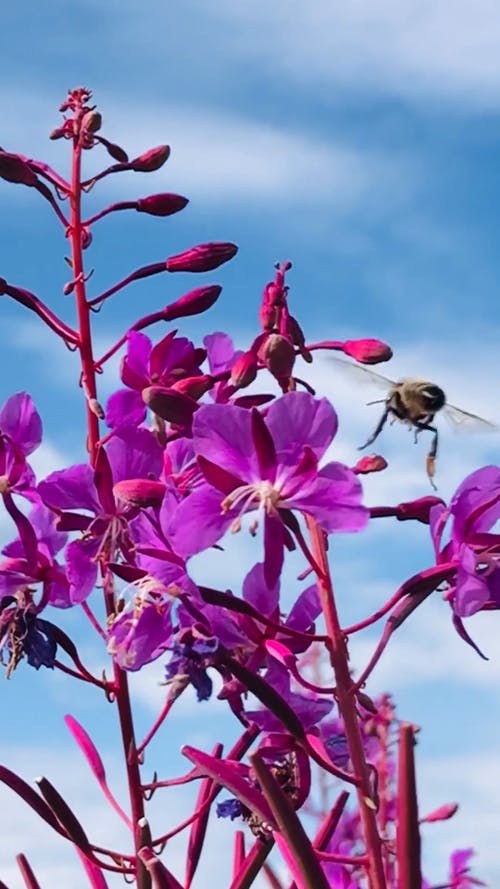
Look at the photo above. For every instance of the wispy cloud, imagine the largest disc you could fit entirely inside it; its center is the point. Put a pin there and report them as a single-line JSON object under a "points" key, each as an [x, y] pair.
{"points": [[413, 50]]}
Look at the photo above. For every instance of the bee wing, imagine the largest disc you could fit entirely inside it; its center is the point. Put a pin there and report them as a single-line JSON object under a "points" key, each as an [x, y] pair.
{"points": [[463, 421], [362, 374]]}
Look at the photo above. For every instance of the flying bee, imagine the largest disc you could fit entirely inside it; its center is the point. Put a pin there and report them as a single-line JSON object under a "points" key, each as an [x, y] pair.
{"points": [[416, 402]]}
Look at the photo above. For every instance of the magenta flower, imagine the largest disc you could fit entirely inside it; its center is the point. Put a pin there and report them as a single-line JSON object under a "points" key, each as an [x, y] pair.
{"points": [[106, 535], [474, 509], [460, 877], [221, 358], [142, 631], [270, 464], [21, 569], [20, 435], [145, 365]]}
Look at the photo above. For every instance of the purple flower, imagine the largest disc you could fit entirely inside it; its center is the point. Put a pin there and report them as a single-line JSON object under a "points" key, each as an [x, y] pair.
{"points": [[270, 464], [106, 535], [20, 435], [309, 708], [21, 569], [474, 509], [165, 364], [143, 630], [193, 652], [460, 871], [24, 634], [221, 356]]}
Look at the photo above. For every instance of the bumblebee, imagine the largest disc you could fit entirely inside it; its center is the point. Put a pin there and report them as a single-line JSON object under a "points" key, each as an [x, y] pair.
{"points": [[416, 402]]}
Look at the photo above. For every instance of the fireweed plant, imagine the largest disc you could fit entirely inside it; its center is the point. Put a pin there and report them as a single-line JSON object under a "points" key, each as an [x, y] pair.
{"points": [[181, 456]]}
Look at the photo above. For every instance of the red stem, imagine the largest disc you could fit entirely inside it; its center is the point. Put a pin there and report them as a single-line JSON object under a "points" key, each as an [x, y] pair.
{"points": [[122, 696], [347, 708]]}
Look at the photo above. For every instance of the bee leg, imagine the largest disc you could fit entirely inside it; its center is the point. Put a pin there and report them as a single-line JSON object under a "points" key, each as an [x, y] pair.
{"points": [[431, 456], [380, 425]]}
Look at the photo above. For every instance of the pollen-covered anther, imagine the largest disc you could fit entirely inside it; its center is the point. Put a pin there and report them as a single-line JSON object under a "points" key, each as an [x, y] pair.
{"points": [[263, 493], [4, 484]]}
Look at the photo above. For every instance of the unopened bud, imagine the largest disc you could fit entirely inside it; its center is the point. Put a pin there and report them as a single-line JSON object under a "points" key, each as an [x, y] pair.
{"points": [[91, 121], [297, 336], [268, 316], [278, 355], [192, 303], [448, 810], [372, 463], [244, 370], [367, 351], [140, 492], [115, 151], [172, 406], [417, 509], [14, 169], [202, 258], [161, 204], [194, 387], [151, 160]]}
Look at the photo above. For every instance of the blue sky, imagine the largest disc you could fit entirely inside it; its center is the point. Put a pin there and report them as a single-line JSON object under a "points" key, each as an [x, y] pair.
{"points": [[360, 141]]}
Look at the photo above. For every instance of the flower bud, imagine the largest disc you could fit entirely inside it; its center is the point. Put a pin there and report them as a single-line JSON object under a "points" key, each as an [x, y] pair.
{"points": [[202, 258], [192, 303], [194, 387], [172, 406], [268, 316], [372, 463], [278, 355], [297, 336], [139, 492], [14, 169], [161, 204], [151, 160], [367, 351], [91, 121], [244, 370], [417, 509], [115, 151], [443, 813]]}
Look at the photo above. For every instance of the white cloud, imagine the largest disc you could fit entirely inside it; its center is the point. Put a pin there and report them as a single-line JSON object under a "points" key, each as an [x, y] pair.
{"points": [[412, 50], [229, 156]]}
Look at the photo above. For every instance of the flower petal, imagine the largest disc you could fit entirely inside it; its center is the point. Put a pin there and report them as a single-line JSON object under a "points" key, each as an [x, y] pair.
{"points": [[222, 434], [199, 522], [297, 419], [20, 420], [70, 488], [125, 408]]}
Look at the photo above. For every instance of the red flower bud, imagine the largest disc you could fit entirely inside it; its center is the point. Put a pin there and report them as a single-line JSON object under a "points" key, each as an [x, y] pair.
{"points": [[202, 258], [91, 121], [194, 387], [172, 406], [448, 810], [244, 370], [372, 463], [417, 509], [161, 204], [139, 492], [14, 169], [192, 303], [278, 355], [267, 316], [151, 160], [367, 351]]}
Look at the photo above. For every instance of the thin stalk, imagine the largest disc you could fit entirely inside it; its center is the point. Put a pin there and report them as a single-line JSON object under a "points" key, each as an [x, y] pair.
{"points": [[83, 311], [339, 659], [122, 696]]}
